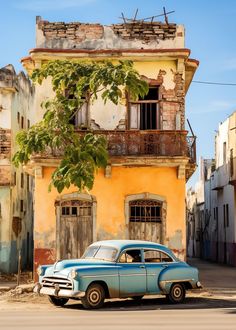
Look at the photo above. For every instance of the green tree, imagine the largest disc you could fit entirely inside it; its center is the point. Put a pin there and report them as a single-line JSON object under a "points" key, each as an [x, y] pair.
{"points": [[80, 155]]}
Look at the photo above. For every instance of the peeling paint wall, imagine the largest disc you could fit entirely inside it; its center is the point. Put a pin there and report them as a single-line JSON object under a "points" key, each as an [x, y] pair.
{"points": [[110, 116]]}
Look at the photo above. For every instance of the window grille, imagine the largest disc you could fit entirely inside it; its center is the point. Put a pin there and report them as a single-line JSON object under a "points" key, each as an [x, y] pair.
{"points": [[145, 211]]}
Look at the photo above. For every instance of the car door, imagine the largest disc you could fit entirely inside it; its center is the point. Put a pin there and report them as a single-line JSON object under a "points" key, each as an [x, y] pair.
{"points": [[155, 262], [132, 273]]}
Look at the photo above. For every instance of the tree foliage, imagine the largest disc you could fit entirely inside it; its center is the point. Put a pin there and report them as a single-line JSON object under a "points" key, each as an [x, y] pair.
{"points": [[83, 81]]}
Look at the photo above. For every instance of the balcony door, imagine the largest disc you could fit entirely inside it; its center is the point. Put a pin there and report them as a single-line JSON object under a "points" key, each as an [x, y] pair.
{"points": [[144, 113]]}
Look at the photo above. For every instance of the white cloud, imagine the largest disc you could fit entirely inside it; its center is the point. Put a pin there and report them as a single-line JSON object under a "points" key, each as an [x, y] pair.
{"points": [[43, 5]]}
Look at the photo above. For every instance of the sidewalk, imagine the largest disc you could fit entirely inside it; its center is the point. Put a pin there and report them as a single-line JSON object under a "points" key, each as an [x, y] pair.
{"points": [[216, 278], [9, 281], [6, 286]]}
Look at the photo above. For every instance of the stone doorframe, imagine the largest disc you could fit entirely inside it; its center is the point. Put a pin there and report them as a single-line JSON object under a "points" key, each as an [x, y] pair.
{"points": [[147, 195], [75, 196]]}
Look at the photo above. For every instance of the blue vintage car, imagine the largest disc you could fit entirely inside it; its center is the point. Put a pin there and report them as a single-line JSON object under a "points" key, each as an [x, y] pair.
{"points": [[117, 269]]}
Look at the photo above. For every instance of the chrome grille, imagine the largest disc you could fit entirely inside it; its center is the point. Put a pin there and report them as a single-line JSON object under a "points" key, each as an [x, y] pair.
{"points": [[51, 281]]}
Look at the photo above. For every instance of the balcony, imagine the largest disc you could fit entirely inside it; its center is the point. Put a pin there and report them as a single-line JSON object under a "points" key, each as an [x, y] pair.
{"points": [[131, 143], [157, 143], [132, 147], [224, 175]]}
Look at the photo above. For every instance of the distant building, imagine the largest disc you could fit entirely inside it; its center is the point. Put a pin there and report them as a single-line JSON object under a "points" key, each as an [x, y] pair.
{"points": [[217, 228], [16, 187]]}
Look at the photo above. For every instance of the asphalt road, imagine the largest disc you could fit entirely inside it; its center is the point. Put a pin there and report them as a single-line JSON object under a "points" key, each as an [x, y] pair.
{"points": [[196, 313]]}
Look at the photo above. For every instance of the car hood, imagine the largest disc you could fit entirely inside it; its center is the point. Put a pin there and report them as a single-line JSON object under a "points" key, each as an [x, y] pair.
{"points": [[78, 263]]}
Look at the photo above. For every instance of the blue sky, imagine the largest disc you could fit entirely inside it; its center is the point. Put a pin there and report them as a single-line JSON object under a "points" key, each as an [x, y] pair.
{"points": [[210, 34]]}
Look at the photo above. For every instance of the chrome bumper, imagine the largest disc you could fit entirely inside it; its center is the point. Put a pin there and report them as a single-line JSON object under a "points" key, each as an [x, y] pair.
{"points": [[166, 284], [57, 292]]}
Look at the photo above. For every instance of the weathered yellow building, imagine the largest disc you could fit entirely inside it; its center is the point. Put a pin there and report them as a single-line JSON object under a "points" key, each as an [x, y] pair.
{"points": [[141, 193]]}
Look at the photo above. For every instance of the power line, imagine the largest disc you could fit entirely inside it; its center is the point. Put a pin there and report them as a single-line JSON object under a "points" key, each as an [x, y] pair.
{"points": [[213, 83]]}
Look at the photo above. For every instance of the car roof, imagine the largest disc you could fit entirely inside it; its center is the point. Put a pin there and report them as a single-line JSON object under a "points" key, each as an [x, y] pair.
{"points": [[124, 244]]}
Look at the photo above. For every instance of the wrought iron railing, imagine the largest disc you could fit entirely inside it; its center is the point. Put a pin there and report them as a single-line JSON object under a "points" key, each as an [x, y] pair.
{"points": [[149, 143]]}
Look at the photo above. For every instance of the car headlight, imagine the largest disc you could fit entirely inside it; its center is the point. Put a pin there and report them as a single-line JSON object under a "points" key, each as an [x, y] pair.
{"points": [[40, 270], [73, 273]]}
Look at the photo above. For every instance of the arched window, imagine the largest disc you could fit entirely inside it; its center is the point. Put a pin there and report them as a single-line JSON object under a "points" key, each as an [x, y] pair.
{"points": [[146, 217]]}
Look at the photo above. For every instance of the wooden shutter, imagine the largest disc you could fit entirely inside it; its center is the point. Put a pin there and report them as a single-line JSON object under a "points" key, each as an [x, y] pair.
{"points": [[134, 116], [81, 116]]}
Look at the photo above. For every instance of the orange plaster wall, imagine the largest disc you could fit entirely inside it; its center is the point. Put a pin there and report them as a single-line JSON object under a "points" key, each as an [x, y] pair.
{"points": [[110, 194]]}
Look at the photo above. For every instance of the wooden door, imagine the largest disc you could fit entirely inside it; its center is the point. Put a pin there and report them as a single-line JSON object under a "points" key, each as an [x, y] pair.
{"points": [[145, 221], [76, 228]]}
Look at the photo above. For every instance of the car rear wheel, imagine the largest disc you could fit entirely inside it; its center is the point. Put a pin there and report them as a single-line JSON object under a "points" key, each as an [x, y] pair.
{"points": [[94, 297], [57, 301], [177, 293]]}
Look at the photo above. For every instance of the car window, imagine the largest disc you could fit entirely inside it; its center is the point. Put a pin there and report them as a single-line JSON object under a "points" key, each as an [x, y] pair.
{"points": [[156, 256], [100, 252], [130, 256], [106, 253], [90, 252]]}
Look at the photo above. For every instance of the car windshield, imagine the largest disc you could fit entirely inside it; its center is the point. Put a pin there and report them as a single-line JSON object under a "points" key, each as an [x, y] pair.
{"points": [[100, 252]]}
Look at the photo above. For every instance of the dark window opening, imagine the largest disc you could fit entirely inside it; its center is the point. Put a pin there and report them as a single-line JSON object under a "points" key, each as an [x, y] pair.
{"points": [[21, 205], [65, 210], [224, 152], [145, 211], [226, 215], [148, 111], [148, 116], [27, 182], [22, 180], [22, 122], [152, 94], [231, 162], [74, 210], [144, 113]]}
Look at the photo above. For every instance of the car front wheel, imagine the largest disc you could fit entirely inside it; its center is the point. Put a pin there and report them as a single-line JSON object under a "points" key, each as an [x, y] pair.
{"points": [[57, 301], [94, 297], [176, 294]]}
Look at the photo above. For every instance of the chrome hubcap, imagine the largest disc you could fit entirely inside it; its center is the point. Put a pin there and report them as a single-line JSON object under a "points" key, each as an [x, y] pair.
{"points": [[177, 292], [94, 297]]}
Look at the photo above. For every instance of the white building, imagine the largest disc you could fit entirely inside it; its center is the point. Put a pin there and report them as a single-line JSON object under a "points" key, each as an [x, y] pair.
{"points": [[16, 202], [218, 229]]}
